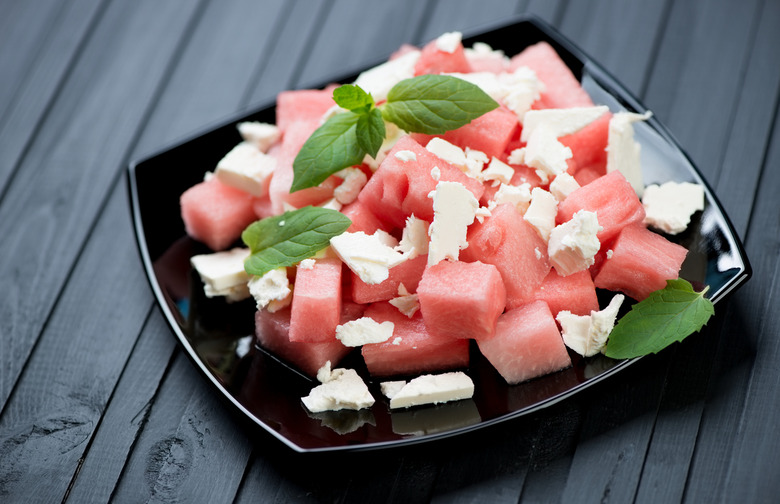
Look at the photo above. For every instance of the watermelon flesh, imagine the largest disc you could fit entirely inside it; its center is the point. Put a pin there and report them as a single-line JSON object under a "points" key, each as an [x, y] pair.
{"points": [[412, 349], [407, 273], [575, 293], [316, 303], [527, 344], [461, 300]]}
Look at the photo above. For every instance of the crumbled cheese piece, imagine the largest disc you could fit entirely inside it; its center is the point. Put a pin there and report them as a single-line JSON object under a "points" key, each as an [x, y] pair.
{"points": [[261, 135], [414, 239], [563, 185], [623, 153], [475, 161], [497, 171], [222, 273], [397, 340], [407, 303], [363, 331], [405, 156], [449, 42], [380, 79], [391, 388], [522, 89], [433, 389], [542, 211], [587, 334], [307, 264], [545, 153], [392, 134], [454, 209], [436, 173], [246, 168], [560, 121], [488, 82], [609, 253], [481, 213], [573, 244], [517, 196], [386, 238], [273, 286], [366, 255], [343, 389], [517, 156], [332, 204], [447, 151], [354, 180], [669, 207]]}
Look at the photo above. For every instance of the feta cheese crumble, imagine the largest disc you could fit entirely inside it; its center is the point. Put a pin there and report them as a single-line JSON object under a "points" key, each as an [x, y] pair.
{"points": [[429, 389], [223, 274], [368, 256], [542, 211], [449, 42], [347, 191], [407, 303], [261, 135], [573, 244], [454, 209], [363, 331], [623, 153], [272, 290], [560, 121], [587, 334], [670, 206], [340, 389], [246, 168]]}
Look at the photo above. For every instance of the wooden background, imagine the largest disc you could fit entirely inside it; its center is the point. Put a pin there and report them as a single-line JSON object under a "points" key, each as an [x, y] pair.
{"points": [[99, 403]]}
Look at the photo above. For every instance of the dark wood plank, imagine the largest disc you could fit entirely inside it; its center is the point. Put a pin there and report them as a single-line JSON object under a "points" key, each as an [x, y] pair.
{"points": [[463, 15], [53, 201], [38, 43], [173, 457], [59, 401]]}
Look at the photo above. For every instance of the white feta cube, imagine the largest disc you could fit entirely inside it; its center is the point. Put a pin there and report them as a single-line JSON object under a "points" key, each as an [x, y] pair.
{"points": [[560, 121], [454, 210], [588, 334], [573, 244], [344, 389], [363, 331], [261, 135], [563, 185], [623, 153], [670, 206], [368, 256], [222, 273], [273, 286], [246, 168], [542, 211], [433, 389]]}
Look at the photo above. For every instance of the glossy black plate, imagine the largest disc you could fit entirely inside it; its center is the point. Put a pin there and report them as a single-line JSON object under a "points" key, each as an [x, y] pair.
{"points": [[219, 336]]}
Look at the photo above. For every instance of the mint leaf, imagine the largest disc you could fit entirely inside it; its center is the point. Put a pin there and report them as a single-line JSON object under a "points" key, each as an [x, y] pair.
{"points": [[332, 147], [287, 239], [351, 97], [370, 132], [435, 104], [667, 315]]}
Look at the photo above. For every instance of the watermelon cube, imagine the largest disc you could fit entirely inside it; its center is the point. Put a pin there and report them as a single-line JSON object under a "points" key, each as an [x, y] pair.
{"points": [[408, 273], [461, 300], [562, 89], [400, 188], [642, 261], [433, 60], [611, 197], [272, 332], [527, 344], [316, 303], [412, 350], [588, 146], [575, 293], [490, 133], [362, 218], [294, 137], [302, 105], [216, 214], [514, 247]]}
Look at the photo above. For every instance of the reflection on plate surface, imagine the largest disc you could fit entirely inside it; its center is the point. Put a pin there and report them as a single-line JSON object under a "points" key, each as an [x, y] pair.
{"points": [[267, 392]]}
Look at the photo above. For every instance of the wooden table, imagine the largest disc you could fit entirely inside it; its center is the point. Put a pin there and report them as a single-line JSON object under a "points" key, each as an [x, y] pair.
{"points": [[99, 402]]}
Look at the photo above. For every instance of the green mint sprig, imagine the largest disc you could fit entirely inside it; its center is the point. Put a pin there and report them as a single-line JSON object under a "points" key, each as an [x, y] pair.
{"points": [[285, 240], [431, 104], [665, 316]]}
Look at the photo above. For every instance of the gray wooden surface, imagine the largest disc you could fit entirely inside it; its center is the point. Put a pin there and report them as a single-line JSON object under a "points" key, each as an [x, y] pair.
{"points": [[99, 403]]}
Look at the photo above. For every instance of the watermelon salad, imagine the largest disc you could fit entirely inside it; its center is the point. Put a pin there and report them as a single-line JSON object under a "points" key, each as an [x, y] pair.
{"points": [[497, 235]]}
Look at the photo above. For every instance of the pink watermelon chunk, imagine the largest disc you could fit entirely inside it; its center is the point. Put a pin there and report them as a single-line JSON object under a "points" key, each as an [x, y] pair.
{"points": [[408, 273], [434, 61], [216, 214], [588, 146], [575, 293], [294, 137], [527, 344], [642, 261], [515, 248], [399, 188], [302, 105], [316, 303], [362, 218], [461, 299], [611, 197], [272, 332], [412, 349], [489, 133], [562, 89]]}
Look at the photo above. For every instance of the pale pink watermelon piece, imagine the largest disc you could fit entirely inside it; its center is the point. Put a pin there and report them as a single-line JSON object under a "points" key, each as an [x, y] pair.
{"points": [[302, 105], [316, 303], [461, 299], [611, 197], [363, 219], [642, 261], [589, 146], [489, 133], [575, 293], [294, 137], [408, 273], [527, 344], [216, 214], [512, 245], [272, 332], [412, 350], [399, 188], [434, 61], [562, 89]]}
